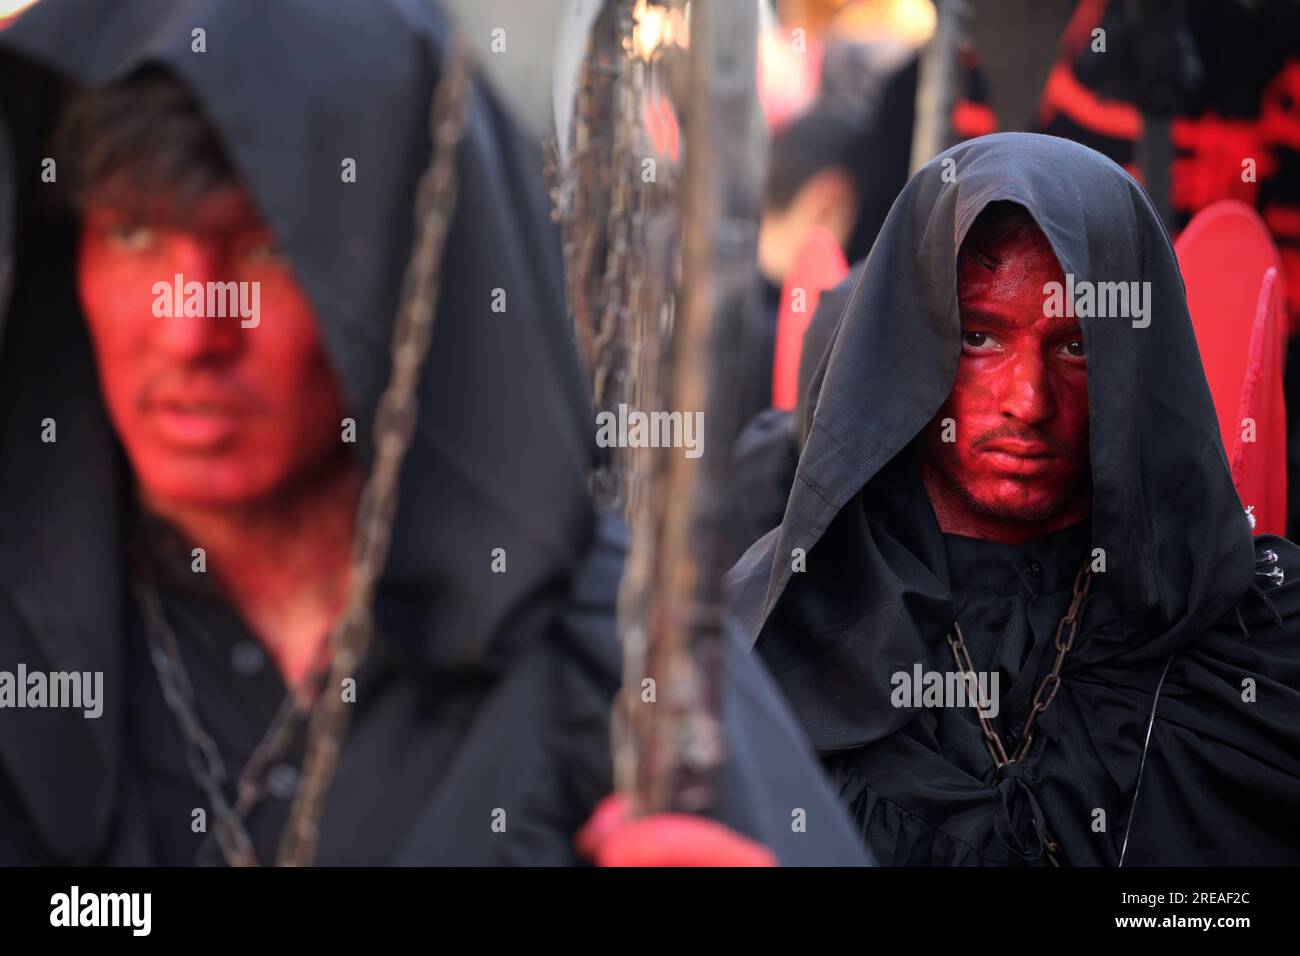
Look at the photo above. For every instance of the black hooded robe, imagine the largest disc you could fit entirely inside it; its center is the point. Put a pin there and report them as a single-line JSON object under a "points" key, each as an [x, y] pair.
{"points": [[509, 676], [1185, 673]]}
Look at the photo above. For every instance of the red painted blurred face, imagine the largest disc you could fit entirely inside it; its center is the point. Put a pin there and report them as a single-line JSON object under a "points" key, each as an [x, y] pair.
{"points": [[211, 410], [1016, 465]]}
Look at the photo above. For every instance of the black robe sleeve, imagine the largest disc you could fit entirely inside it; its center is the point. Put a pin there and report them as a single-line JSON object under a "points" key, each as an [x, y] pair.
{"points": [[539, 750]]}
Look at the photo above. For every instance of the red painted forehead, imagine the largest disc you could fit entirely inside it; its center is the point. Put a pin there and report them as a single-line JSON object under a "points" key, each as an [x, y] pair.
{"points": [[1010, 267]]}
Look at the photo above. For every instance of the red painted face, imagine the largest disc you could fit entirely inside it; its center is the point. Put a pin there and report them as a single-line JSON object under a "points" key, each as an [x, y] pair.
{"points": [[1016, 465], [211, 410]]}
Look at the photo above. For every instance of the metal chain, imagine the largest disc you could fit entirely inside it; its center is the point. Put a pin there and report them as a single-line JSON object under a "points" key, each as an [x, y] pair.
{"points": [[1082, 585], [966, 666], [992, 740], [615, 339], [620, 237], [394, 426], [201, 751]]}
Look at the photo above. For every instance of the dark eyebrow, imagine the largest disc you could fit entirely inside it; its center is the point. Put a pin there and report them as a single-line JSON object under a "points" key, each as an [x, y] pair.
{"points": [[1061, 326]]}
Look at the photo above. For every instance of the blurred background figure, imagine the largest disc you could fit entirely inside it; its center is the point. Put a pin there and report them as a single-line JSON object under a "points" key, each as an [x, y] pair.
{"points": [[838, 86], [232, 523]]}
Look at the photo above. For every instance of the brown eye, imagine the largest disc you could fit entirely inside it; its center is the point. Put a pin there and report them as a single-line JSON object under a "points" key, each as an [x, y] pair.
{"points": [[130, 237], [1074, 349], [978, 342]]}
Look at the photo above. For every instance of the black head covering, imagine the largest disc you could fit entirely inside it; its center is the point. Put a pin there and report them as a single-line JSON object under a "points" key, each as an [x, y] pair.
{"points": [[503, 439], [496, 394], [816, 343], [1176, 539]]}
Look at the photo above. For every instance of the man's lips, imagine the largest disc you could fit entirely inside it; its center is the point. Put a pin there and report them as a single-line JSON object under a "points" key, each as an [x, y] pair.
{"points": [[1019, 449], [1023, 459], [196, 421]]}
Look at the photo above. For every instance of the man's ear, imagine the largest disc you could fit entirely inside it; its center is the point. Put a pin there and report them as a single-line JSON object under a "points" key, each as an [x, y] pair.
{"points": [[830, 199]]}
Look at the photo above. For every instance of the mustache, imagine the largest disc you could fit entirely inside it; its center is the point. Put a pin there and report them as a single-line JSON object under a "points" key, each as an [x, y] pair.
{"points": [[1027, 435]]}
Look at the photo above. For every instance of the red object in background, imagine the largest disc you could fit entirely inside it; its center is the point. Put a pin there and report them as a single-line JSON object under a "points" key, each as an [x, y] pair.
{"points": [[1233, 274], [788, 77], [664, 839], [818, 266]]}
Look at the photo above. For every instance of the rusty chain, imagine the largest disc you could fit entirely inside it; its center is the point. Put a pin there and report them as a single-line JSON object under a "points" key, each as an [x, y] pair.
{"points": [[394, 427], [1062, 642]]}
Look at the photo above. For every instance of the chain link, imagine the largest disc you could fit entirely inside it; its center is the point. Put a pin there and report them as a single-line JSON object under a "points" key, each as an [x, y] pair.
{"points": [[394, 427], [1062, 642], [201, 752]]}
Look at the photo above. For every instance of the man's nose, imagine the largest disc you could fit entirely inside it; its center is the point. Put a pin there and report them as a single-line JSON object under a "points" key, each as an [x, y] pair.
{"points": [[1026, 392], [202, 336]]}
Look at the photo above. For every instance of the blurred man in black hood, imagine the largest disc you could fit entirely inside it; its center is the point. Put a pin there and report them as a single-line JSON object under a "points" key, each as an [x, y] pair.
{"points": [[179, 484], [1014, 473]]}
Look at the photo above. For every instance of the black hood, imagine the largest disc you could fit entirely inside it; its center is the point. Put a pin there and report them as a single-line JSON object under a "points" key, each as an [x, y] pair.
{"points": [[1177, 542], [503, 439]]}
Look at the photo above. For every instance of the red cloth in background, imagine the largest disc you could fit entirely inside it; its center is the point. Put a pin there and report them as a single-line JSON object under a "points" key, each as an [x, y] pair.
{"points": [[1238, 138], [1233, 275], [818, 266], [612, 838]]}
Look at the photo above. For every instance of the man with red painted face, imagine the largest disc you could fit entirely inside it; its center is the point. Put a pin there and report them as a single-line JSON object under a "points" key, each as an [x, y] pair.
{"points": [[197, 293], [1006, 457], [1015, 600]]}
